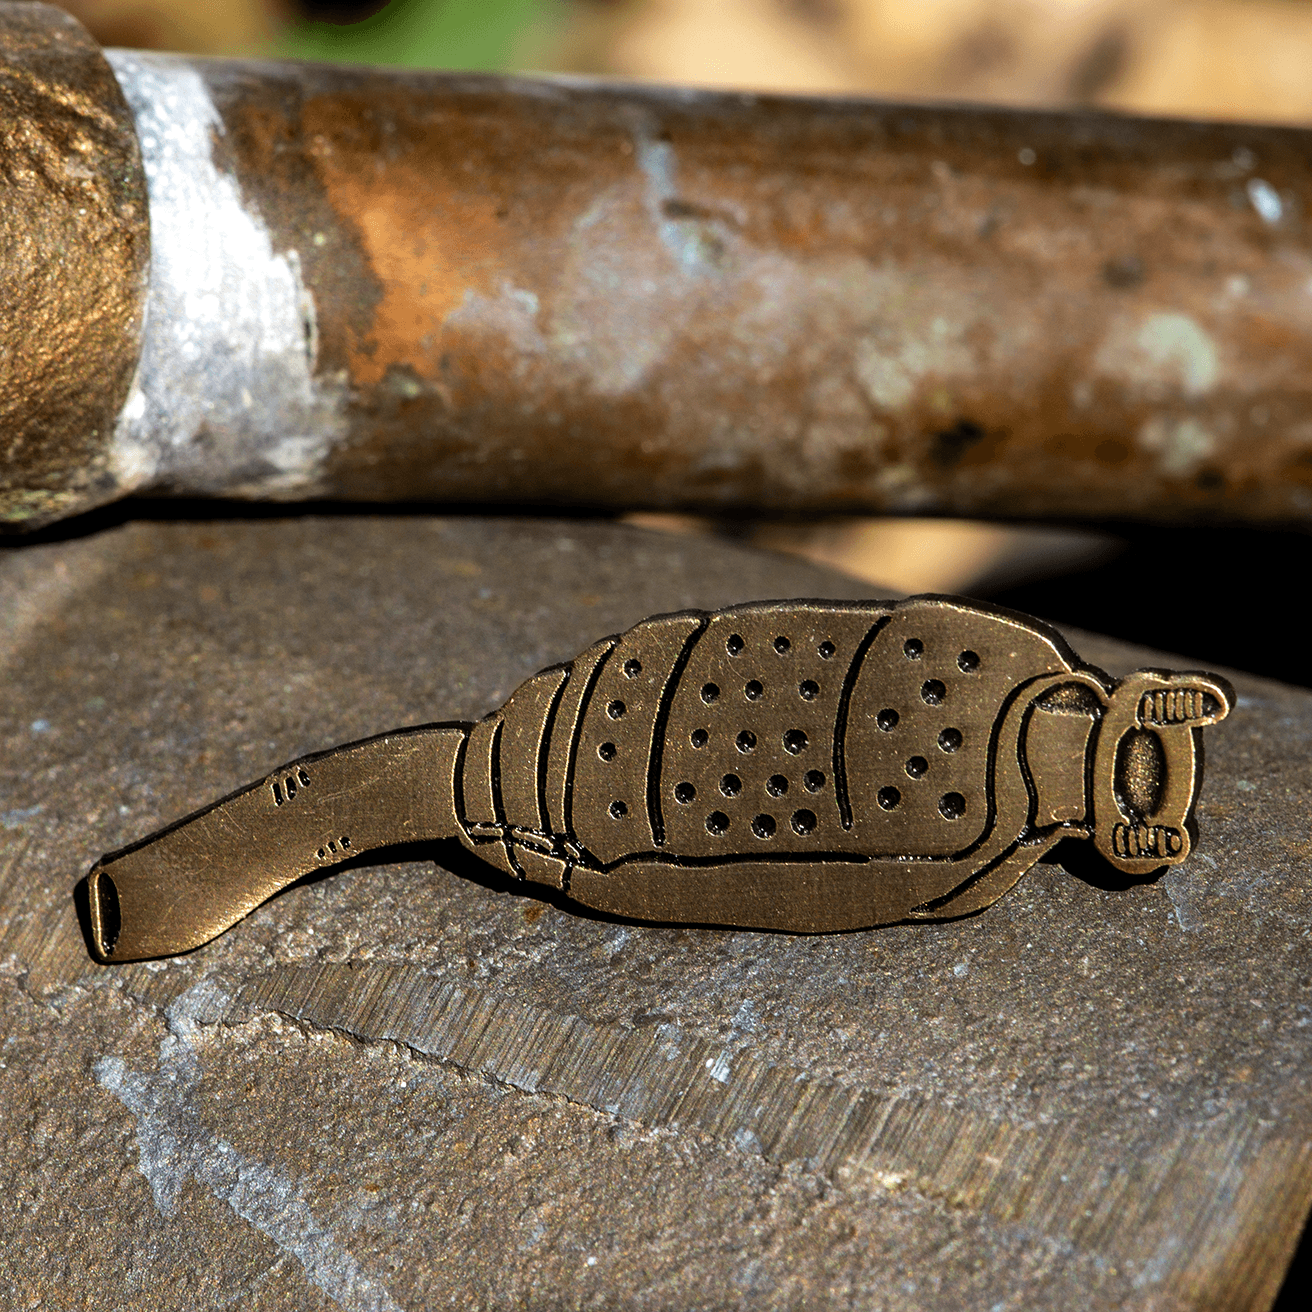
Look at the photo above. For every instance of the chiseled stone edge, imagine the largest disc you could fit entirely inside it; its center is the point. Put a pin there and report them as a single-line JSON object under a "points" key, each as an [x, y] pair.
{"points": [[1211, 1213]]}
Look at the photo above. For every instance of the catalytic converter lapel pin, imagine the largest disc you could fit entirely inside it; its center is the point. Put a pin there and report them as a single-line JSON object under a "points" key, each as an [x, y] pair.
{"points": [[805, 766]]}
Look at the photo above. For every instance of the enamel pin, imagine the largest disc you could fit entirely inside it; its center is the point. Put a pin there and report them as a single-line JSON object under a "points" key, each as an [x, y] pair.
{"points": [[804, 766]]}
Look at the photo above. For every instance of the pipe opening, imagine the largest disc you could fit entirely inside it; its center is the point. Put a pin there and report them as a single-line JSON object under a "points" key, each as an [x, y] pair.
{"points": [[107, 919]]}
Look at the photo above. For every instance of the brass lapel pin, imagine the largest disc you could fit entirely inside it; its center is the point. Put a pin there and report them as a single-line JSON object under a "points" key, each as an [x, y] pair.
{"points": [[805, 766]]}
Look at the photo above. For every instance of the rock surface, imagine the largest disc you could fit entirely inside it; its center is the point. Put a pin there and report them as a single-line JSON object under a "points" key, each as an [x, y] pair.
{"points": [[409, 1086]]}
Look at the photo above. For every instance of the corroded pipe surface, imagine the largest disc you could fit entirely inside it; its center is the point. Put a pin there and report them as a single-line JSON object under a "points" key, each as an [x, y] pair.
{"points": [[396, 285], [74, 250]]}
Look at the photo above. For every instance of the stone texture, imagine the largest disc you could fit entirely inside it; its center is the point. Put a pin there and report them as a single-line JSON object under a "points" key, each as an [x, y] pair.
{"points": [[406, 1085]]}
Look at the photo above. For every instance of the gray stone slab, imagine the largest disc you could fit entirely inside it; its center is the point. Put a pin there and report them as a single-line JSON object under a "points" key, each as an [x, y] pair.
{"points": [[409, 1086]]}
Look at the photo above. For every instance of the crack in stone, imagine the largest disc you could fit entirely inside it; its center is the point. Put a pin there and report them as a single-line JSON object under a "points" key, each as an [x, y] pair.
{"points": [[174, 1146], [1175, 1207]]}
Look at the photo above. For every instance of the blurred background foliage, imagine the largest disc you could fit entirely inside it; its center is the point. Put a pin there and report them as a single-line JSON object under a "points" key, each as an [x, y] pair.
{"points": [[457, 34], [1205, 58], [1245, 59]]}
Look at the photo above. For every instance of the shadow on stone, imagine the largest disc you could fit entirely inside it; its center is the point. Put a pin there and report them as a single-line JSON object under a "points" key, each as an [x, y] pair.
{"points": [[1079, 857], [82, 905]]}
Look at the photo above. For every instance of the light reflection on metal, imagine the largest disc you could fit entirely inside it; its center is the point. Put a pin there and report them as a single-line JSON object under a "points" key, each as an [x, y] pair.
{"points": [[802, 766], [74, 248], [386, 285]]}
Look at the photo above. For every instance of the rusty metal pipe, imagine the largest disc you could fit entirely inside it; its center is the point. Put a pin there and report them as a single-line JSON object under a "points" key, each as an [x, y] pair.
{"points": [[381, 284], [74, 254]]}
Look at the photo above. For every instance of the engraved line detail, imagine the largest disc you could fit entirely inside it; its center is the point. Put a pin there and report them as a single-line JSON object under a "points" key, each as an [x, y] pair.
{"points": [[579, 721], [544, 748], [840, 722], [655, 815]]}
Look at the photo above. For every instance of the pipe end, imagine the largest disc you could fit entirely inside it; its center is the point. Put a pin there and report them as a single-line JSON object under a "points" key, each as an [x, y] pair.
{"points": [[106, 919]]}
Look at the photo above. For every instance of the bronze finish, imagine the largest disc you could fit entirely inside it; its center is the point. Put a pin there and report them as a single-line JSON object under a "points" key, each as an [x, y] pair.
{"points": [[803, 766], [75, 234]]}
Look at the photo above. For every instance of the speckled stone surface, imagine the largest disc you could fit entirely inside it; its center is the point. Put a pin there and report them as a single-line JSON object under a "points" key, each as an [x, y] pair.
{"points": [[408, 1086]]}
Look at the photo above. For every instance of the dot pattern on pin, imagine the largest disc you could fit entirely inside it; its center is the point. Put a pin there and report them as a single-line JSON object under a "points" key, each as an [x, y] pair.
{"points": [[933, 686], [771, 730]]}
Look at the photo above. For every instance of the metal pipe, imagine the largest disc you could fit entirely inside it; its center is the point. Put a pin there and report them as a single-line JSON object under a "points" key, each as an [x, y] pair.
{"points": [[74, 253], [394, 285]]}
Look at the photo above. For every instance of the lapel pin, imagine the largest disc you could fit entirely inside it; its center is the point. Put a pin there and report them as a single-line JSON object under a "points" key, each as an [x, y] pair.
{"points": [[801, 766]]}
